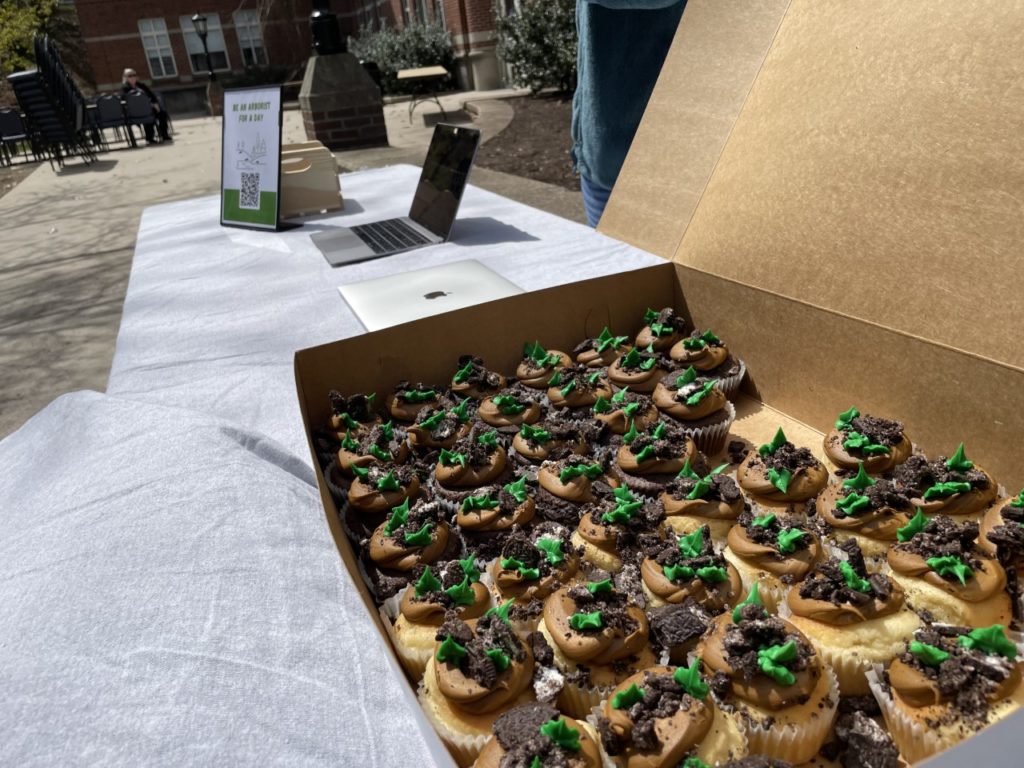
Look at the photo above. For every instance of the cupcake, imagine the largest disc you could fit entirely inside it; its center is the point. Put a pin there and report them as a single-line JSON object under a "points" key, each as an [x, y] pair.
{"points": [[537, 734], [1001, 534], [648, 460], [661, 330], [879, 444], [771, 553], [510, 408], [615, 531], [950, 683], [692, 501], [410, 538], [452, 586], [351, 414], [566, 485], [953, 486], [599, 638], [664, 717], [407, 400], [866, 510], [780, 472], [479, 670], [774, 685], [381, 443], [624, 408], [697, 402], [554, 438], [639, 370], [709, 355], [472, 379], [538, 365], [474, 461], [689, 567], [943, 572], [376, 490], [439, 426], [575, 389], [486, 517], [600, 352], [855, 619]]}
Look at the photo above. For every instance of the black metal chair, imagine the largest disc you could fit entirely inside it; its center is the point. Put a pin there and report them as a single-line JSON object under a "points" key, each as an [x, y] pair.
{"points": [[109, 113], [13, 133], [138, 110]]}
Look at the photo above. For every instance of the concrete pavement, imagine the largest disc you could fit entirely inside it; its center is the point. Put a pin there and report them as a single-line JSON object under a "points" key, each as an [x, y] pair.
{"points": [[68, 238]]}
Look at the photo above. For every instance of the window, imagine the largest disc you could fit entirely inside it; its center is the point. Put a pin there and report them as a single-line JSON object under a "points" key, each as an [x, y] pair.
{"points": [[158, 48], [214, 41], [250, 38]]}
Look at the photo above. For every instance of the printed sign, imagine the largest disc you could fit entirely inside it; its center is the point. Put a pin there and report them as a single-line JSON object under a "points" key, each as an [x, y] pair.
{"points": [[251, 158]]}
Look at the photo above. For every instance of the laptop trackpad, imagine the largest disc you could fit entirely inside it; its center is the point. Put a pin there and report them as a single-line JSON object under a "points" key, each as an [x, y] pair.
{"points": [[342, 246]]}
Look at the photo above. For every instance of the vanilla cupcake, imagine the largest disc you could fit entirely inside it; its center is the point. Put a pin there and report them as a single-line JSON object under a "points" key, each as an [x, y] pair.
{"points": [[855, 619], [877, 444], [771, 553], [699, 405], [942, 571], [623, 409], [508, 410], [780, 693], [709, 355], [640, 369], [575, 389], [614, 532], [537, 734], [949, 684], [599, 638], [689, 568], [780, 472], [352, 414], [953, 486], [1001, 534], [486, 517], [476, 460], [664, 717], [600, 352], [538, 364], [692, 501], [648, 460], [408, 400], [472, 379], [478, 671], [661, 330]]}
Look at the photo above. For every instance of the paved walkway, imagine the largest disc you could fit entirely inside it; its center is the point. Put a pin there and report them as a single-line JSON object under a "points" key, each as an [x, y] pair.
{"points": [[68, 239]]}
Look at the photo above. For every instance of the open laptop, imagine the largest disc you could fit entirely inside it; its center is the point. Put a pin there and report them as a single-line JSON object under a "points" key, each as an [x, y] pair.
{"points": [[430, 219]]}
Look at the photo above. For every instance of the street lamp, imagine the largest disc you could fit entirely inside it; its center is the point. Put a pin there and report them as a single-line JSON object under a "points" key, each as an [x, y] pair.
{"points": [[199, 22]]}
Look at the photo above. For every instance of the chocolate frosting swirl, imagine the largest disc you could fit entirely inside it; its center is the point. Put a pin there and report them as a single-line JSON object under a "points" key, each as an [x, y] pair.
{"points": [[432, 613], [765, 557], [509, 512], [714, 597], [638, 380], [826, 596], [808, 474], [583, 393], [705, 358], [536, 376], [491, 414], [389, 552], [517, 741], [888, 513], [616, 640], [673, 401]]}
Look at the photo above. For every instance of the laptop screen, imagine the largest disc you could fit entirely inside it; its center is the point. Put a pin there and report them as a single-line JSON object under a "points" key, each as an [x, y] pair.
{"points": [[444, 176]]}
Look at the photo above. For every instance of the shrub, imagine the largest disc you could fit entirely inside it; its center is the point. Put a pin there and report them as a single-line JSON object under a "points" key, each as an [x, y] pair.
{"points": [[539, 44], [417, 45]]}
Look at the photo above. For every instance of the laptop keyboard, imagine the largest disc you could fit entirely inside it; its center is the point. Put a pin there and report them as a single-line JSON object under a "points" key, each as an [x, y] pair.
{"points": [[389, 236]]}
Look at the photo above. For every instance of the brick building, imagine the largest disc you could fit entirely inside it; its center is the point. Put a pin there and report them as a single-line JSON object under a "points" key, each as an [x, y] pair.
{"points": [[158, 40]]}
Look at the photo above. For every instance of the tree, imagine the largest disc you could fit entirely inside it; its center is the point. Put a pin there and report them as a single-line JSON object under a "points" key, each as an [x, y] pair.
{"points": [[539, 44], [19, 22]]}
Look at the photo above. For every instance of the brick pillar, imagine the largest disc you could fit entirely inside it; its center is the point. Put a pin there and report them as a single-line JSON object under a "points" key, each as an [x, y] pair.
{"points": [[341, 105]]}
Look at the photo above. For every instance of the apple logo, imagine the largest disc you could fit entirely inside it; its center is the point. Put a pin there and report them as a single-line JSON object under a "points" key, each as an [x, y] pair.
{"points": [[435, 295]]}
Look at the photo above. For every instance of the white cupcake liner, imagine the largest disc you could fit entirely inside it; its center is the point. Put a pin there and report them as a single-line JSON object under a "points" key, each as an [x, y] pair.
{"points": [[850, 671], [712, 440], [730, 385], [914, 741], [464, 747], [771, 591]]}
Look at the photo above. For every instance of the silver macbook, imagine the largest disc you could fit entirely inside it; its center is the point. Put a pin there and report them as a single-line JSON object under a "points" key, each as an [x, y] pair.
{"points": [[430, 219], [393, 299]]}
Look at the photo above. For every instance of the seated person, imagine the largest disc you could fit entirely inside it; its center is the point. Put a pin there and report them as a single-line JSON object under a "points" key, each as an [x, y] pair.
{"points": [[130, 82]]}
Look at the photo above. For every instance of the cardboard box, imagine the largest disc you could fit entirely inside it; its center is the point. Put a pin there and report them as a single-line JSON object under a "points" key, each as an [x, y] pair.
{"points": [[837, 189]]}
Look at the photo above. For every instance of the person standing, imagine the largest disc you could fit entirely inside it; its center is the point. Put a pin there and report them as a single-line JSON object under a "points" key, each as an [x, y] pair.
{"points": [[130, 82], [622, 45]]}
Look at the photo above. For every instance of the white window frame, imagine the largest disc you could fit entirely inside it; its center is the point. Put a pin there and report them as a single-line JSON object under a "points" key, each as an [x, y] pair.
{"points": [[249, 32], [156, 43], [194, 46]]}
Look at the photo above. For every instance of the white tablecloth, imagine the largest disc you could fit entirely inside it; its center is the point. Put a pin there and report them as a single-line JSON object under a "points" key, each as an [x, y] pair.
{"points": [[169, 592]]}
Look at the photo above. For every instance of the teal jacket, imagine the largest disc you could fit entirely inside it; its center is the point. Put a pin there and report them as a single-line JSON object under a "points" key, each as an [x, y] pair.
{"points": [[622, 45]]}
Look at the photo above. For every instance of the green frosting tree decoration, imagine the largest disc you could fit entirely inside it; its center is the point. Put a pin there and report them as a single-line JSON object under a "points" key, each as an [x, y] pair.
{"points": [[623, 512], [501, 611], [660, 329], [678, 574], [593, 378], [991, 640], [468, 565], [605, 340], [622, 493], [687, 471], [620, 396], [777, 442], [1018, 500], [461, 593], [859, 482], [517, 490], [568, 388], [631, 433], [603, 587], [399, 517], [540, 356], [348, 443], [461, 411], [701, 393], [693, 343], [788, 540], [488, 439], [562, 734], [463, 373], [514, 564], [929, 655], [944, 490], [450, 458], [754, 598], [699, 490], [361, 472], [916, 524], [474, 503], [601, 405], [845, 420], [689, 680], [556, 379], [582, 621], [959, 462], [650, 316], [627, 698], [853, 581], [426, 583], [590, 471], [388, 483], [450, 651], [630, 409], [379, 453], [536, 763], [856, 441], [691, 762], [688, 377], [780, 478], [508, 405], [348, 421], [692, 544], [765, 521], [534, 434], [418, 395], [950, 565], [433, 422], [499, 657], [772, 660], [646, 454], [552, 549], [631, 359], [418, 538], [853, 504], [712, 574], [659, 431], [388, 430]]}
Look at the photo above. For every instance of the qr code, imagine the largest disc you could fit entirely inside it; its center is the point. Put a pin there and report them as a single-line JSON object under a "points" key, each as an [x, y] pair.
{"points": [[250, 195]]}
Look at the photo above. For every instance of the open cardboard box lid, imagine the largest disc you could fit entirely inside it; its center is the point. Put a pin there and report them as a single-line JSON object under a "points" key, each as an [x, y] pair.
{"points": [[849, 176]]}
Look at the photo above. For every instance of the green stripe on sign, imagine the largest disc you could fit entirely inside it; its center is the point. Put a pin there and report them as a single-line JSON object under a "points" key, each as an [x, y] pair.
{"points": [[265, 215]]}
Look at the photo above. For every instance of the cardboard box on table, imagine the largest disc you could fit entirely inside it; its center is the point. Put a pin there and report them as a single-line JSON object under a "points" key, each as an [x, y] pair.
{"points": [[838, 189]]}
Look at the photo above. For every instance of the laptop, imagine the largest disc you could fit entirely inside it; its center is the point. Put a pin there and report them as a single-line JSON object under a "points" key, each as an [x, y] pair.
{"points": [[430, 219], [385, 301]]}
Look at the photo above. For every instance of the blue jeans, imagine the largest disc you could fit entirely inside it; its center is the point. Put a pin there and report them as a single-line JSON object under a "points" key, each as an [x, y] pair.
{"points": [[595, 198]]}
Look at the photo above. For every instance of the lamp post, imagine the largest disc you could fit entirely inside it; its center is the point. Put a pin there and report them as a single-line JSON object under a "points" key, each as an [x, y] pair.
{"points": [[199, 22]]}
